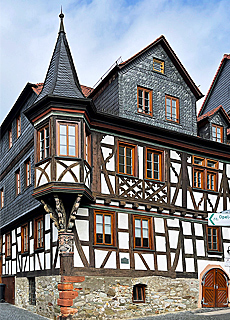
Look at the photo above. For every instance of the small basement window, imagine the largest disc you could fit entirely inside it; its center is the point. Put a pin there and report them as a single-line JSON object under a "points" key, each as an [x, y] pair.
{"points": [[32, 291], [139, 293]]}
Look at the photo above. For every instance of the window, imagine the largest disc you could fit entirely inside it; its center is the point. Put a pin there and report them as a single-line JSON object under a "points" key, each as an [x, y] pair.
{"points": [[2, 199], [104, 224], [154, 164], [27, 173], [25, 238], [158, 66], [213, 238], [10, 138], [172, 108], [217, 133], [139, 293], [18, 126], [198, 178], [142, 232], [126, 160], [68, 139], [8, 245], [32, 291], [44, 143], [39, 233], [205, 173], [144, 101], [18, 182], [87, 145]]}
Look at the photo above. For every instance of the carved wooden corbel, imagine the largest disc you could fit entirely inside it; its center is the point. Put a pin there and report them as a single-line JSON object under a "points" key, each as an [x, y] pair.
{"points": [[60, 210], [73, 213], [52, 213]]}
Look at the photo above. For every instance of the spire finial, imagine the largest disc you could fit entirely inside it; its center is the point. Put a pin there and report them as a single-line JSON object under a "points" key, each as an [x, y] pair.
{"points": [[61, 16]]}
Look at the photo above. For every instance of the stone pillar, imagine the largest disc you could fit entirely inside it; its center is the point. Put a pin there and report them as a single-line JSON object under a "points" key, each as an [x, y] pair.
{"points": [[66, 292]]}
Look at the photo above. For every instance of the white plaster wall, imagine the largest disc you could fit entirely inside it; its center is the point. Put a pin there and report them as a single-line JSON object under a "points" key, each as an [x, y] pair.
{"points": [[123, 238], [31, 245], [99, 257], [47, 240], [27, 267], [77, 260], [188, 247], [37, 266], [190, 175], [13, 236], [47, 222], [149, 258], [173, 176], [220, 205], [173, 222], [198, 229], [82, 229], [162, 263], [104, 187], [189, 262], [141, 162], [110, 165], [212, 198], [14, 252], [124, 255], [83, 212], [226, 233], [114, 203], [189, 160], [189, 201], [139, 265], [203, 263], [174, 155], [13, 267], [19, 230], [221, 166], [179, 267], [186, 228], [160, 244], [31, 264], [47, 257], [173, 238], [198, 196], [123, 220], [86, 252], [42, 258], [108, 140], [159, 225], [55, 233], [111, 263], [31, 228], [200, 248]]}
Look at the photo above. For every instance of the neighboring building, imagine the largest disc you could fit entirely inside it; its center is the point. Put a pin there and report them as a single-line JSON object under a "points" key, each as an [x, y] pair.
{"points": [[105, 192], [216, 106]]}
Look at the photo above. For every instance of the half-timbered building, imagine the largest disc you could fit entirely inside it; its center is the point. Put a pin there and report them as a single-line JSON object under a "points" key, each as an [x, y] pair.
{"points": [[105, 192]]}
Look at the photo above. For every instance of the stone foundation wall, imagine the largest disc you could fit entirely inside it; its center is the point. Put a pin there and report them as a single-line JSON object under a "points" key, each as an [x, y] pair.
{"points": [[111, 298], [46, 295]]}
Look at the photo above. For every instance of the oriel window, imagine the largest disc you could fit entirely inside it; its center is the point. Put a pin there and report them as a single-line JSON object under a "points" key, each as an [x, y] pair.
{"points": [[8, 245], [44, 143], [68, 139], [144, 101], [126, 158], [104, 228]]}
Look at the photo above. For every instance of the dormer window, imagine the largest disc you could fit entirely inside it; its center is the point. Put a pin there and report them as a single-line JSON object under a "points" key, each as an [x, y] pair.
{"points": [[158, 66], [217, 133], [144, 101], [68, 139], [43, 143]]}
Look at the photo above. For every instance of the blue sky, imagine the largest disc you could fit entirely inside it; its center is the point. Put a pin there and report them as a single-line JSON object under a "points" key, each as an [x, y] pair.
{"points": [[100, 31]]}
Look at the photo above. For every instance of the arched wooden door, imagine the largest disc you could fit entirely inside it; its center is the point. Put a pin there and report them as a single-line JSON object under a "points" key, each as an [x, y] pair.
{"points": [[215, 289]]}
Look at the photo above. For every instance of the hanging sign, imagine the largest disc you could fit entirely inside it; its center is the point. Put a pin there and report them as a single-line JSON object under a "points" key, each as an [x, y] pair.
{"points": [[219, 219]]}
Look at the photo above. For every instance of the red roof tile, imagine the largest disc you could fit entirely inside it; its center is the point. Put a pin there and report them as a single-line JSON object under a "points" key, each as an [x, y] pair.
{"points": [[226, 56], [85, 90]]}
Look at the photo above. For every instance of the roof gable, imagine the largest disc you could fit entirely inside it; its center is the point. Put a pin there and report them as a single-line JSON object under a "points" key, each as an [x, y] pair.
{"points": [[225, 63], [212, 112]]}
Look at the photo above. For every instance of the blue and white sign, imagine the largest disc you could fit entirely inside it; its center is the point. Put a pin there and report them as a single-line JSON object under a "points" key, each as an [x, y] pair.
{"points": [[221, 219]]}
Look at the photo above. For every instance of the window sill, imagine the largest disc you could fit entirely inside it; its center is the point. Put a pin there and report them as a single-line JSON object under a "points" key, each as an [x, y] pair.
{"points": [[157, 72], [103, 246], [143, 249], [126, 175], [24, 253], [205, 190], [215, 252], [42, 161], [150, 115], [38, 249]]}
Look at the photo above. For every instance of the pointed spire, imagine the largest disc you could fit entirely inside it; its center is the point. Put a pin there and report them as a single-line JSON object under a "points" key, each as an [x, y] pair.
{"points": [[61, 16], [61, 78]]}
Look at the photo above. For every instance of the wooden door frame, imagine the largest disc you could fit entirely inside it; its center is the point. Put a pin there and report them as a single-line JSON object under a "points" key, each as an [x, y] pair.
{"points": [[202, 274]]}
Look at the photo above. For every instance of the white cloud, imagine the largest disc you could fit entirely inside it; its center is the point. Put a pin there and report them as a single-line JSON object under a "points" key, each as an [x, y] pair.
{"points": [[100, 31]]}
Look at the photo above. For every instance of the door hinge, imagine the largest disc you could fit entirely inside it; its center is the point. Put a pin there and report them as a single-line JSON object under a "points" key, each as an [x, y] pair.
{"points": [[202, 301]]}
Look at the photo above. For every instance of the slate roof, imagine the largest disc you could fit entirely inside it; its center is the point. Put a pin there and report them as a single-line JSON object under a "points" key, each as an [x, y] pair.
{"points": [[61, 79], [212, 112], [225, 57], [85, 89]]}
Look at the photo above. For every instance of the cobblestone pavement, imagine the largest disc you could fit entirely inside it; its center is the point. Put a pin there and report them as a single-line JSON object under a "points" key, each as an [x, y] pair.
{"points": [[201, 314], [10, 312]]}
